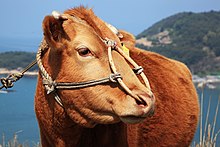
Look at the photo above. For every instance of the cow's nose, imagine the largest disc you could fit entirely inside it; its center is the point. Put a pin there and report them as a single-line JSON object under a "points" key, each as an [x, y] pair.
{"points": [[146, 101]]}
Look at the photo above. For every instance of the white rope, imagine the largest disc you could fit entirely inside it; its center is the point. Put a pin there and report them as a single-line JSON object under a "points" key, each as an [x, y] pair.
{"points": [[134, 64], [122, 84]]}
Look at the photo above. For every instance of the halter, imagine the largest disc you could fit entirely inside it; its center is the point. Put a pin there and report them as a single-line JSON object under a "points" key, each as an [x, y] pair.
{"points": [[51, 86]]}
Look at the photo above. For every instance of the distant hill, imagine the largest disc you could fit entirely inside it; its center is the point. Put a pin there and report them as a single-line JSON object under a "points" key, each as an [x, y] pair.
{"points": [[16, 59], [193, 38]]}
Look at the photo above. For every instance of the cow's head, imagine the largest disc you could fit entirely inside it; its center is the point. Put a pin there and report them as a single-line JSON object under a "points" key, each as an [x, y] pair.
{"points": [[76, 54]]}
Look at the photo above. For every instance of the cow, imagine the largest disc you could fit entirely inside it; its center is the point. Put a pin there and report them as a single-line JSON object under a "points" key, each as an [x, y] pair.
{"points": [[153, 104]]}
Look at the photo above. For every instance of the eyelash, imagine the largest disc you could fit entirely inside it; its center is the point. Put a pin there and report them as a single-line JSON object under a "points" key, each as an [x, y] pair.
{"points": [[84, 52]]}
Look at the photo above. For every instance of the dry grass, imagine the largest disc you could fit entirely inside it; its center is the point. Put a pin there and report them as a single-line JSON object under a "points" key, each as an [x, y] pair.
{"points": [[15, 143], [208, 137]]}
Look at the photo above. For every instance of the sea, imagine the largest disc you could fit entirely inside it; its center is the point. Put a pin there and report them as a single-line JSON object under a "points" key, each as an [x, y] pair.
{"points": [[17, 116]]}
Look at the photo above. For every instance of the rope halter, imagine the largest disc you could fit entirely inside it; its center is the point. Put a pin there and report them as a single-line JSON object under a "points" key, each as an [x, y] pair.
{"points": [[51, 86]]}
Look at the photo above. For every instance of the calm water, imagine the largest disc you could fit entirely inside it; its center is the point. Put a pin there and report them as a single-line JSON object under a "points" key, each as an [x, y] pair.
{"points": [[17, 111]]}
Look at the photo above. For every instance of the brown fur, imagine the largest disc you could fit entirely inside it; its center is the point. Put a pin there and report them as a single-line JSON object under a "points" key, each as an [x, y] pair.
{"points": [[87, 118]]}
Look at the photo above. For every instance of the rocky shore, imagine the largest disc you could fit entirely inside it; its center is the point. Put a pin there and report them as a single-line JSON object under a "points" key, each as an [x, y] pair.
{"points": [[209, 81], [4, 71], [206, 79]]}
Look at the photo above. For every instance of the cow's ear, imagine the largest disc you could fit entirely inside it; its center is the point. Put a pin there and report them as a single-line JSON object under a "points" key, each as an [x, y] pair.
{"points": [[53, 31], [128, 39]]}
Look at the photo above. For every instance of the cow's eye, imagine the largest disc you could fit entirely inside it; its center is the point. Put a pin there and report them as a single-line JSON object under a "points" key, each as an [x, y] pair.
{"points": [[84, 52]]}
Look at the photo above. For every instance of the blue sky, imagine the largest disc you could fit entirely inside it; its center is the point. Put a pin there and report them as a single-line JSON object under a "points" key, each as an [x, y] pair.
{"points": [[23, 18]]}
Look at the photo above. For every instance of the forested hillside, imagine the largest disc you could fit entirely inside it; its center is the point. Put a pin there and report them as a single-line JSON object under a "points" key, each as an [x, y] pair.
{"points": [[193, 38], [14, 59]]}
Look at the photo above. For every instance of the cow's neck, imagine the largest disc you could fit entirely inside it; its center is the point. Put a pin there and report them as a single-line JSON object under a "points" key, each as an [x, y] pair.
{"points": [[104, 135], [100, 135]]}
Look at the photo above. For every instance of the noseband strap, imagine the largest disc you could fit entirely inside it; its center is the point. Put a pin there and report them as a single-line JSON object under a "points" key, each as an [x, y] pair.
{"points": [[76, 85]]}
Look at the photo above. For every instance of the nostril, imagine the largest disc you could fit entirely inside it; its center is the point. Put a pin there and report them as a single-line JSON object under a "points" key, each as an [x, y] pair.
{"points": [[141, 102], [143, 98]]}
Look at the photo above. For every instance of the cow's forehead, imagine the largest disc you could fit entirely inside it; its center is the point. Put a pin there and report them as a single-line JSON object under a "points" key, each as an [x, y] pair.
{"points": [[99, 26]]}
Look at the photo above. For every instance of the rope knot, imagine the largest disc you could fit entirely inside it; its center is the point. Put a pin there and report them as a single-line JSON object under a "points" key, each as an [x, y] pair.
{"points": [[8, 81], [114, 77], [138, 70], [49, 85], [110, 43]]}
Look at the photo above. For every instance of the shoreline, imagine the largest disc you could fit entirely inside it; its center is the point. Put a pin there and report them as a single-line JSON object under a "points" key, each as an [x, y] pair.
{"points": [[206, 79], [4, 71]]}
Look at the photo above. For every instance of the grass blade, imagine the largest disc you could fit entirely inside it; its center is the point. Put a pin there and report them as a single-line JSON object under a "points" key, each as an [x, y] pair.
{"points": [[215, 118], [206, 121], [201, 113]]}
